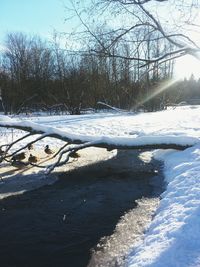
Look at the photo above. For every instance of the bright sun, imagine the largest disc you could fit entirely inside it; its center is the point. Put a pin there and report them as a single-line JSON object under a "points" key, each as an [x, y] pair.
{"points": [[186, 66]]}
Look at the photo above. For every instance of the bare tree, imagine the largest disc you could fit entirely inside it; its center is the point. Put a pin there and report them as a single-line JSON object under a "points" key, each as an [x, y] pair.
{"points": [[28, 65], [126, 17]]}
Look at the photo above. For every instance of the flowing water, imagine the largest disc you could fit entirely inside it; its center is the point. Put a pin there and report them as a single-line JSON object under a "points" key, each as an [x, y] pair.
{"points": [[90, 217]]}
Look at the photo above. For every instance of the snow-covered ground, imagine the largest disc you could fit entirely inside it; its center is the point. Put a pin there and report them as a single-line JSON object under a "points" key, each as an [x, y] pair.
{"points": [[172, 239]]}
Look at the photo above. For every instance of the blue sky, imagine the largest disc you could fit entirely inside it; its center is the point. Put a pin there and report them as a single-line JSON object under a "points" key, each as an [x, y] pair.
{"points": [[42, 17], [32, 16]]}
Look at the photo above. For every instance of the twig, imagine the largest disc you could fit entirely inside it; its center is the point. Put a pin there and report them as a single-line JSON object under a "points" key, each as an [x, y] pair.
{"points": [[24, 147]]}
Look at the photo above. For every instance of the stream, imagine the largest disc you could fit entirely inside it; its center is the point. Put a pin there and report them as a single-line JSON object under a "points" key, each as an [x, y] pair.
{"points": [[90, 217]]}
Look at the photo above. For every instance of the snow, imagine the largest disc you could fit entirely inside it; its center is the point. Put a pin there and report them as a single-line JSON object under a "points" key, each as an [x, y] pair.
{"points": [[172, 126], [172, 238]]}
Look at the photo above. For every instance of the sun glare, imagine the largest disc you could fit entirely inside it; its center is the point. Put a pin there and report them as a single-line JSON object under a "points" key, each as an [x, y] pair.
{"points": [[186, 66], [158, 90]]}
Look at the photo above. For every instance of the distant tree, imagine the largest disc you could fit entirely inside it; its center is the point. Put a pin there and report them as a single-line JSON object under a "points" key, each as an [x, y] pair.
{"points": [[29, 67]]}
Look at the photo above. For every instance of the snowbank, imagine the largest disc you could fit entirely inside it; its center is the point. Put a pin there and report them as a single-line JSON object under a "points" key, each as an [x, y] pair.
{"points": [[172, 239]]}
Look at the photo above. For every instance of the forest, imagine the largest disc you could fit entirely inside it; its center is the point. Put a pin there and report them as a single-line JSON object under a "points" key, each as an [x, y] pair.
{"points": [[122, 67], [36, 75]]}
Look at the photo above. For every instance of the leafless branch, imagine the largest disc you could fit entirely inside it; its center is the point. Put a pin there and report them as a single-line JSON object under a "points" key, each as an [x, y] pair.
{"points": [[25, 146], [77, 145], [8, 146]]}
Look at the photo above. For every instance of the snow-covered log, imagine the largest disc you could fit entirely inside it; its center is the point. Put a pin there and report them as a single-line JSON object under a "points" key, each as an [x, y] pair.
{"points": [[76, 142], [144, 142]]}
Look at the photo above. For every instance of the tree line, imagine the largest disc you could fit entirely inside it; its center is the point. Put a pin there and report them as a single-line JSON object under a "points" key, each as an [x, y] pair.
{"points": [[38, 75]]}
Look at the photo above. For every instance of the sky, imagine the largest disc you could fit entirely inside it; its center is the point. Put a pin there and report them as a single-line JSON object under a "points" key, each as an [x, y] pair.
{"points": [[40, 17], [187, 66]]}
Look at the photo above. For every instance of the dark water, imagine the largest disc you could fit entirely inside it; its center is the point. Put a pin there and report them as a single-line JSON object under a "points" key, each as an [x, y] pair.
{"points": [[58, 225]]}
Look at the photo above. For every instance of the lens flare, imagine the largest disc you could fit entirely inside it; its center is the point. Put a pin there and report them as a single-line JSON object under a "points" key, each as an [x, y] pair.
{"points": [[158, 90]]}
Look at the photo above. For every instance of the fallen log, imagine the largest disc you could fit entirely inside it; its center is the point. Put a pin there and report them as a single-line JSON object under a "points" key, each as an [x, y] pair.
{"points": [[76, 142]]}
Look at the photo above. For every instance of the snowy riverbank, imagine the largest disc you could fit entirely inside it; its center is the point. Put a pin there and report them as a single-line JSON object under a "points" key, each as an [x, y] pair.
{"points": [[172, 240]]}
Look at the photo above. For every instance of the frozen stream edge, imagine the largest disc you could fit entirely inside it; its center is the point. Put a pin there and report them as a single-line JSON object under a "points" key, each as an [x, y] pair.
{"points": [[129, 232], [113, 250]]}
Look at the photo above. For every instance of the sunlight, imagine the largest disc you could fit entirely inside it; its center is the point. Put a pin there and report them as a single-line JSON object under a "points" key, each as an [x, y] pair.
{"points": [[157, 91], [186, 66]]}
